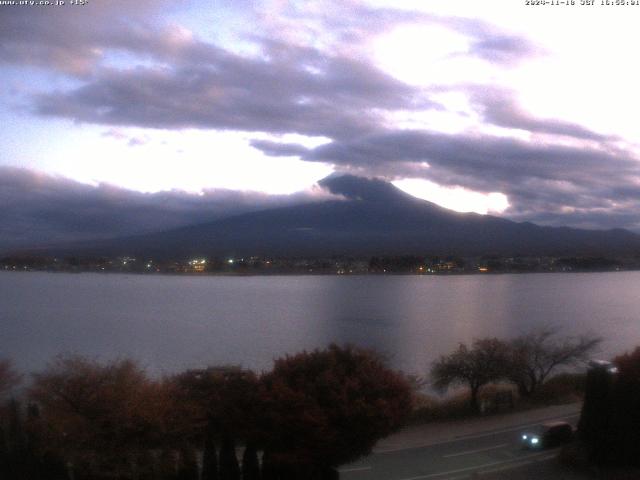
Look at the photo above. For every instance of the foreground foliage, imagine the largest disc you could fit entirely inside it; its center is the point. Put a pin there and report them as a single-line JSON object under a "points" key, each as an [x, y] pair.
{"points": [[329, 407], [88, 420]]}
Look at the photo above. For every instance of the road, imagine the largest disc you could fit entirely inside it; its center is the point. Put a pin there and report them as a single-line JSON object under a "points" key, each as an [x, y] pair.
{"points": [[482, 452]]}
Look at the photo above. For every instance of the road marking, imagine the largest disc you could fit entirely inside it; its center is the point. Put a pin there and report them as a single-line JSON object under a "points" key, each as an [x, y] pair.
{"points": [[469, 452], [354, 469], [519, 464], [512, 466], [476, 467], [474, 435]]}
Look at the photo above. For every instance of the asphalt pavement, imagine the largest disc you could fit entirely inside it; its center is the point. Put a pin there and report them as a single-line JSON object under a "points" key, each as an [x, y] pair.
{"points": [[461, 449]]}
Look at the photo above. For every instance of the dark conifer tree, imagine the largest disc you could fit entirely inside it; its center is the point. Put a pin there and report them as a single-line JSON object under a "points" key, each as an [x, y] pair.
{"points": [[17, 461], [4, 453], [167, 465], [269, 471], [146, 465], [53, 467], [250, 463], [229, 468], [210, 460], [188, 465], [16, 432]]}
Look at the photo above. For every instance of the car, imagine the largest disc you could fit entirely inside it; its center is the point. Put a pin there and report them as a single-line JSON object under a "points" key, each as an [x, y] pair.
{"points": [[603, 365], [548, 435]]}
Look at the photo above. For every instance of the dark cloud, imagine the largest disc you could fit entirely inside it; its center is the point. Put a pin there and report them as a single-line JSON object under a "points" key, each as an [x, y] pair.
{"points": [[352, 22], [72, 39], [288, 88], [188, 83], [495, 159], [40, 209], [277, 149], [503, 49], [537, 178], [487, 41], [496, 45], [500, 107], [294, 91]]}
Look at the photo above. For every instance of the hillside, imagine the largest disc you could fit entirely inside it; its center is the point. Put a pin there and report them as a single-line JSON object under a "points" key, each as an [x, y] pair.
{"points": [[372, 217]]}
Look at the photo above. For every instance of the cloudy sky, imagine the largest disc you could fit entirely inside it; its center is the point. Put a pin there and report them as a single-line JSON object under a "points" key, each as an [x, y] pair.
{"points": [[121, 116]]}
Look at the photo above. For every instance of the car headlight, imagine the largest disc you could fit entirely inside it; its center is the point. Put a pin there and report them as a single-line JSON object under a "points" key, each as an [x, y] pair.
{"points": [[535, 440], [524, 437]]}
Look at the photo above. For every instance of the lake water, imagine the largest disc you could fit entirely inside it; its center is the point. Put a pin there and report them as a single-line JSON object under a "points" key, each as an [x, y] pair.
{"points": [[175, 322]]}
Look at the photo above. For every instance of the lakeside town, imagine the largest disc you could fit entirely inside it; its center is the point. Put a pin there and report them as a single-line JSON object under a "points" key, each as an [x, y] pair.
{"points": [[335, 265]]}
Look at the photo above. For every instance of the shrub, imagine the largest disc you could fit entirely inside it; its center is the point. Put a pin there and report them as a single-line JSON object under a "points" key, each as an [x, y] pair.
{"points": [[329, 407], [561, 388]]}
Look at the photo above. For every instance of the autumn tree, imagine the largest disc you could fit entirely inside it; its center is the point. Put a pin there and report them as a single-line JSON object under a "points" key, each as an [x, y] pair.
{"points": [[473, 367], [328, 407], [222, 406], [101, 416], [535, 355]]}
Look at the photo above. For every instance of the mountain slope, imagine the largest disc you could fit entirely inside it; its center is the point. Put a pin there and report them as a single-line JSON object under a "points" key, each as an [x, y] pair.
{"points": [[374, 218]]}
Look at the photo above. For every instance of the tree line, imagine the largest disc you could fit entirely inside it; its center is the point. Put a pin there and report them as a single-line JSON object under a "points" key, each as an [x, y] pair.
{"points": [[82, 419], [525, 361]]}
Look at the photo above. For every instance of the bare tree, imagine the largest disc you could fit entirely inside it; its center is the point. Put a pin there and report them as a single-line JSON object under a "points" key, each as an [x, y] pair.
{"points": [[535, 355], [474, 367]]}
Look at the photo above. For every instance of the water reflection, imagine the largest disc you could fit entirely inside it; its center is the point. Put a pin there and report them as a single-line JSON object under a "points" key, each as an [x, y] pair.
{"points": [[174, 322], [368, 311]]}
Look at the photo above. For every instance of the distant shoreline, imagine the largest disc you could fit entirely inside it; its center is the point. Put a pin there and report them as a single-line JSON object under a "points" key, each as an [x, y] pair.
{"points": [[314, 274], [335, 265]]}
